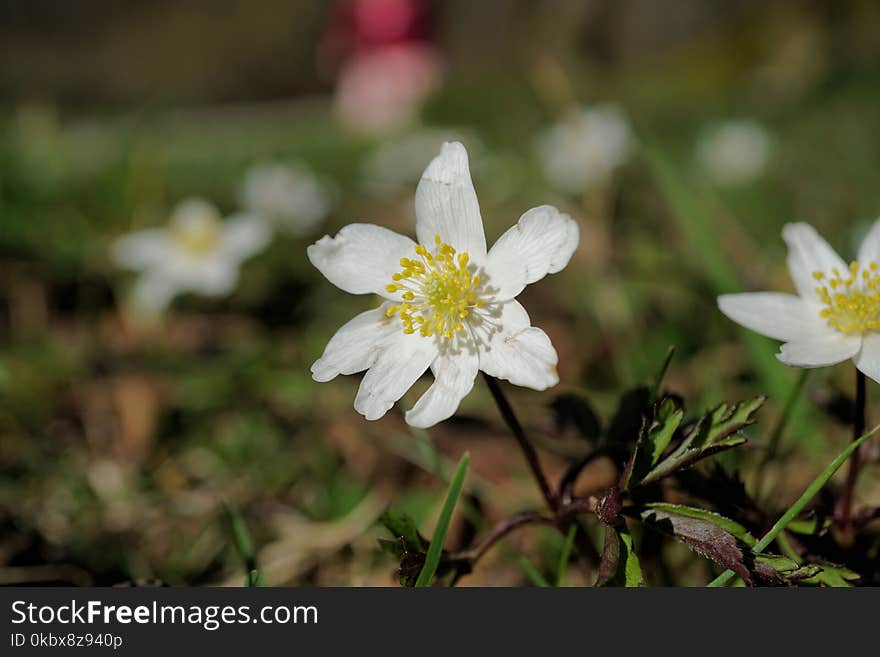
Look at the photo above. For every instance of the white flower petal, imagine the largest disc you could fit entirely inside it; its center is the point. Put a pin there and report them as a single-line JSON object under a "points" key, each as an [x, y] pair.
{"points": [[361, 258], [446, 204], [512, 349], [400, 361], [777, 315], [355, 346], [243, 236], [869, 251], [454, 374], [213, 277], [819, 353], [808, 252], [153, 293], [141, 250], [868, 359], [542, 242]]}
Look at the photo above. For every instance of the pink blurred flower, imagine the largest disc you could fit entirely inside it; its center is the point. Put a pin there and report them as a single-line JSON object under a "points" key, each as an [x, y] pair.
{"points": [[382, 90]]}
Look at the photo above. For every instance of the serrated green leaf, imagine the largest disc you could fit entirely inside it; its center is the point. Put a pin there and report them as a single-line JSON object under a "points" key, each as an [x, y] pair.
{"points": [[789, 570], [435, 549], [705, 536], [660, 509], [653, 441], [669, 419], [726, 420], [715, 432], [832, 575]]}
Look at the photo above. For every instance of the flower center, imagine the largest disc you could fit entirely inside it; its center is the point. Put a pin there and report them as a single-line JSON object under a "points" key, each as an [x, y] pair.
{"points": [[439, 293], [196, 228], [851, 299]]}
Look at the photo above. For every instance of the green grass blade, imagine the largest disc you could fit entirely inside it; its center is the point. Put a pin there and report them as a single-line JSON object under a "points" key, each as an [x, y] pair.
{"points": [[658, 380], [801, 502], [533, 573], [435, 549], [565, 555], [241, 538]]}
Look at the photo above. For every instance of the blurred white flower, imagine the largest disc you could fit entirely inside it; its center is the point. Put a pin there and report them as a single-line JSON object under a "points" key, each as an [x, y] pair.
{"points": [[448, 304], [197, 252], [734, 152], [836, 312], [382, 90], [289, 197], [585, 147]]}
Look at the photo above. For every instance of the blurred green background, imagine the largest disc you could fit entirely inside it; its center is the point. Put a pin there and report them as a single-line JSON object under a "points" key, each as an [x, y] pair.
{"points": [[120, 441]]}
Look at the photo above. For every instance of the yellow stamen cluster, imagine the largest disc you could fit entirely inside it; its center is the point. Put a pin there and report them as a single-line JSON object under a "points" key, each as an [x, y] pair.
{"points": [[439, 291], [196, 230], [851, 298]]}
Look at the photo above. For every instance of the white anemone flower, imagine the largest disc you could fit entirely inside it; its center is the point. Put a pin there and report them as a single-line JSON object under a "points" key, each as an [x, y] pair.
{"points": [[449, 305], [289, 197], [835, 315], [584, 148], [735, 152], [197, 252]]}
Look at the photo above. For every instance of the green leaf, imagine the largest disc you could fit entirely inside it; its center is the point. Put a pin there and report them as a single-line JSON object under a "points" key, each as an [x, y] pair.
{"points": [[715, 432], [832, 575], [727, 420], [435, 549], [801, 502], [402, 527], [408, 545], [706, 534], [731, 526], [653, 441], [811, 525], [788, 569], [619, 565]]}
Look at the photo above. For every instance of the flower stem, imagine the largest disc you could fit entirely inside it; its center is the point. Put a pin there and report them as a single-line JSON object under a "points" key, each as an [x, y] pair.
{"points": [[843, 509], [528, 450], [501, 530]]}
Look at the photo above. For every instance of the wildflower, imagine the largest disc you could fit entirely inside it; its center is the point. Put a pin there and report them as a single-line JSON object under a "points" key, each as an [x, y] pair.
{"points": [[448, 304], [383, 90], [585, 148], [836, 312], [289, 197], [197, 252], [735, 152]]}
